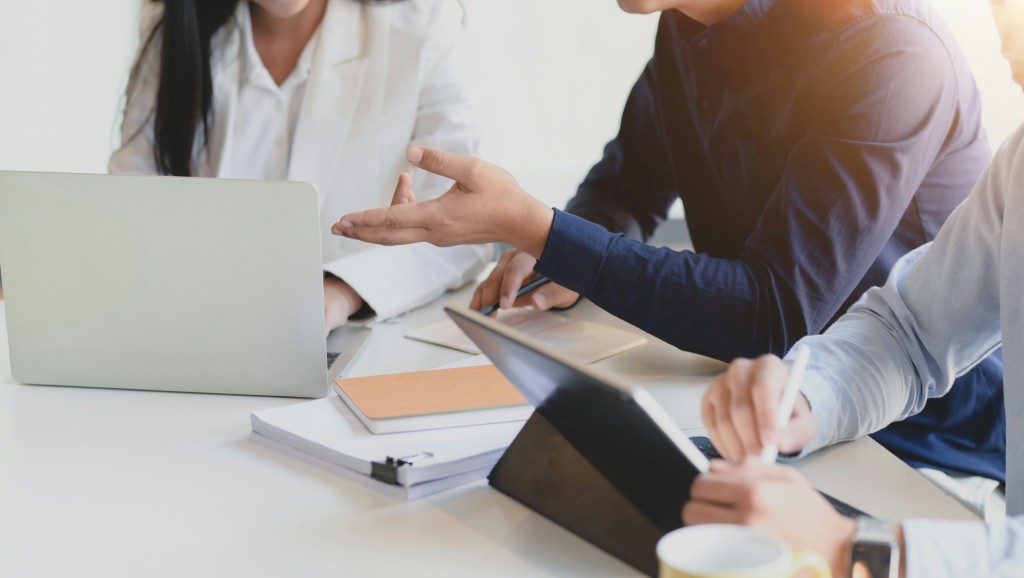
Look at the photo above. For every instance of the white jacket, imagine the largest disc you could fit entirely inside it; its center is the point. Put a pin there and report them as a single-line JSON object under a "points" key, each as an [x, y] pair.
{"points": [[384, 76]]}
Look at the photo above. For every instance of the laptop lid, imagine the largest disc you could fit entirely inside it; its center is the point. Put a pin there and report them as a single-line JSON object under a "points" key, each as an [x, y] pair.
{"points": [[179, 284]]}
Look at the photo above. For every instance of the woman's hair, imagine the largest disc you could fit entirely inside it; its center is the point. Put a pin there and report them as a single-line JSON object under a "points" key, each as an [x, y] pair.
{"points": [[185, 88]]}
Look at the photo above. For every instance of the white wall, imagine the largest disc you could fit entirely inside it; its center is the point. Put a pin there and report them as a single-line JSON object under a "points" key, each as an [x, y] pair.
{"points": [[62, 70], [553, 76]]}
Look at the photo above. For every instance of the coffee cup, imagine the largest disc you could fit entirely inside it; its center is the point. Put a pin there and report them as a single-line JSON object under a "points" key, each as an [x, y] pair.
{"points": [[727, 551]]}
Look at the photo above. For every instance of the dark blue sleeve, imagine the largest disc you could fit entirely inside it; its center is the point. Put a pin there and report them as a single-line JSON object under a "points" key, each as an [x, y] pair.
{"points": [[631, 189], [888, 104]]}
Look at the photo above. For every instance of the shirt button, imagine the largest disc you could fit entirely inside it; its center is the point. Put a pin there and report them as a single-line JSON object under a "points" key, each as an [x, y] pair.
{"points": [[705, 103]]}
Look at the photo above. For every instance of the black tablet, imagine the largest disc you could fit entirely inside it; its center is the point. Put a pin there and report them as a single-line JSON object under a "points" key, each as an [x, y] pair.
{"points": [[620, 429]]}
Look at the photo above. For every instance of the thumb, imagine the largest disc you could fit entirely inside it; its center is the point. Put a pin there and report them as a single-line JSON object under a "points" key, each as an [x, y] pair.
{"points": [[403, 191], [456, 167]]}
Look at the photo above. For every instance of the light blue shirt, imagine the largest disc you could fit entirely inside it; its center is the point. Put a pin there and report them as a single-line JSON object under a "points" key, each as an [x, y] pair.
{"points": [[945, 308]]}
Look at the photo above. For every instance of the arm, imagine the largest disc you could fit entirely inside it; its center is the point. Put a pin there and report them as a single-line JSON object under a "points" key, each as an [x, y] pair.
{"points": [[936, 317], [779, 501], [395, 279]]}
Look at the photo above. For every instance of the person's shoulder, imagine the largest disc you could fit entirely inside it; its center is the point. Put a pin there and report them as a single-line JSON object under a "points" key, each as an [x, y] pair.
{"points": [[899, 24]]}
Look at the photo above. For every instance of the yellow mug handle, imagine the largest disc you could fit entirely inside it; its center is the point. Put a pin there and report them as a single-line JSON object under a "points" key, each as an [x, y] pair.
{"points": [[811, 560]]}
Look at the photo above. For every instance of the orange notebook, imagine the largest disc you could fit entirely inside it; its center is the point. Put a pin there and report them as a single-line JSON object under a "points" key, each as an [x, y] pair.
{"points": [[434, 399]]}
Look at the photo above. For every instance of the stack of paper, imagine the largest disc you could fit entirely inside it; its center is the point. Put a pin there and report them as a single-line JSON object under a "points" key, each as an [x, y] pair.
{"points": [[326, 432]]}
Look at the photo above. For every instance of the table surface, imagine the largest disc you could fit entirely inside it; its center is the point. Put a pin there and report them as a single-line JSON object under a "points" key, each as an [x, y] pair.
{"points": [[111, 483]]}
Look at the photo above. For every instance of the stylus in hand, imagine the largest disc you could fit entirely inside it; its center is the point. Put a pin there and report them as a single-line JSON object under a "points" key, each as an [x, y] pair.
{"points": [[770, 453], [522, 291]]}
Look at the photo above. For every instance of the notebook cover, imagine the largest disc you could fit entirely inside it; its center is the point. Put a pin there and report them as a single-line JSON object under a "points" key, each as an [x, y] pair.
{"points": [[431, 392]]}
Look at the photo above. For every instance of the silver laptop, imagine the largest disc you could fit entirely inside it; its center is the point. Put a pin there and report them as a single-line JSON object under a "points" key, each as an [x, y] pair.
{"points": [[164, 283]]}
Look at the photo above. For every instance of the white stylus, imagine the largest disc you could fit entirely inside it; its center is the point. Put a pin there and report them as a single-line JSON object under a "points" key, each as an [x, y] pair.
{"points": [[802, 355]]}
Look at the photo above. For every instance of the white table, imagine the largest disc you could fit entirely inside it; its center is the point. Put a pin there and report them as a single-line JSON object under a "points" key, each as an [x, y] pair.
{"points": [[125, 483]]}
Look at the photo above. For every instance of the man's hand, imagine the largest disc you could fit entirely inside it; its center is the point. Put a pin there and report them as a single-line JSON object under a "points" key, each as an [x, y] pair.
{"points": [[485, 205], [739, 410], [774, 499], [514, 270], [340, 302]]}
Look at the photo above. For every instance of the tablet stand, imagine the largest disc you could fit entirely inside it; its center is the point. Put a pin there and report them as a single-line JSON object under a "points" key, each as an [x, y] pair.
{"points": [[551, 471]]}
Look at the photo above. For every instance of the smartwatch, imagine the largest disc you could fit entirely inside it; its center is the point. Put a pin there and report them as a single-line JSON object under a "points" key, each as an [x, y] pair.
{"points": [[875, 553]]}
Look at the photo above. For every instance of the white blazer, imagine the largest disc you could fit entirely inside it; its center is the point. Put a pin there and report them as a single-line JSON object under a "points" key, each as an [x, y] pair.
{"points": [[384, 76]]}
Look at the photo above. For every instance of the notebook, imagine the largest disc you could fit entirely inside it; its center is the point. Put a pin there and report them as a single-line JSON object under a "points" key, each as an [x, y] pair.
{"points": [[439, 398], [326, 433], [584, 341]]}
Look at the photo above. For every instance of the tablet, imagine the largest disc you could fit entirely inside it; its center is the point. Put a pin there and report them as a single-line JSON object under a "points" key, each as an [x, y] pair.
{"points": [[619, 428]]}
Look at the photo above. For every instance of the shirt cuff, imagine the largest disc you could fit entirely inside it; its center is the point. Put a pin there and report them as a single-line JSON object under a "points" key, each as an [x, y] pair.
{"points": [[944, 548], [575, 252]]}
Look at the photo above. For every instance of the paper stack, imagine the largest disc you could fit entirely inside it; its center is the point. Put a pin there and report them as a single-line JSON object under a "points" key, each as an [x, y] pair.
{"points": [[326, 432]]}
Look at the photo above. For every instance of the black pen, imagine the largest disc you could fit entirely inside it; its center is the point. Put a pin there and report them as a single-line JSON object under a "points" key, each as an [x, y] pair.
{"points": [[522, 291]]}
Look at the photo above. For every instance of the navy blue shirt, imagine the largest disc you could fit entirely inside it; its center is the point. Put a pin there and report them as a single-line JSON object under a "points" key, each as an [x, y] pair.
{"points": [[812, 144]]}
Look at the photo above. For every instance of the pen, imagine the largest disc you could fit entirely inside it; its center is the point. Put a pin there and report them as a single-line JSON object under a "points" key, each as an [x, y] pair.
{"points": [[522, 291], [770, 452]]}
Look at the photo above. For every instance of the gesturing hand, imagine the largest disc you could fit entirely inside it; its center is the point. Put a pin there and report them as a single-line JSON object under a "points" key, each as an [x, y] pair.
{"points": [[739, 410], [485, 205]]}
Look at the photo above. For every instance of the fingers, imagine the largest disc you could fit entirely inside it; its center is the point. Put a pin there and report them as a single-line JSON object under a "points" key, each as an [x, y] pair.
{"points": [[767, 380], [486, 293], [403, 191], [716, 409], [548, 296], [397, 225], [518, 270], [459, 168], [739, 409]]}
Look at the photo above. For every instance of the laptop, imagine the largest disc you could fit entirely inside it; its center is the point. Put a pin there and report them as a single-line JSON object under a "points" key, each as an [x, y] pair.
{"points": [[167, 283]]}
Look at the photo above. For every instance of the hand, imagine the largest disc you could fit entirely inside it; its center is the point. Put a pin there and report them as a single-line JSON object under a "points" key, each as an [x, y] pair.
{"points": [[514, 270], [774, 499], [485, 205], [740, 406], [340, 302]]}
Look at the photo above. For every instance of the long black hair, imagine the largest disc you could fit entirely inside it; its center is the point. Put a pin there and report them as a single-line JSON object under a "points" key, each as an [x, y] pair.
{"points": [[185, 88]]}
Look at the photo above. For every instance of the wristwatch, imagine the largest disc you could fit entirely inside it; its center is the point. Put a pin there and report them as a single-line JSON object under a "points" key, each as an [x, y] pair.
{"points": [[875, 553]]}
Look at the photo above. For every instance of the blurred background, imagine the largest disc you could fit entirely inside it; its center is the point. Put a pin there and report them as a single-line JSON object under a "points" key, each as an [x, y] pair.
{"points": [[552, 77]]}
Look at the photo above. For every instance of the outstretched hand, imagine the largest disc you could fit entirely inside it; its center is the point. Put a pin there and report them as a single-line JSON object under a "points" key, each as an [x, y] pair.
{"points": [[485, 205]]}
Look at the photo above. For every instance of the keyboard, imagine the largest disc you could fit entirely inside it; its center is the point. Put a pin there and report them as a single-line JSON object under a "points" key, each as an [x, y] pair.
{"points": [[706, 448], [331, 358]]}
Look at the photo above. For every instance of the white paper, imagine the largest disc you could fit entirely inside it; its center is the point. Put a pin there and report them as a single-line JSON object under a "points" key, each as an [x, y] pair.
{"points": [[328, 430]]}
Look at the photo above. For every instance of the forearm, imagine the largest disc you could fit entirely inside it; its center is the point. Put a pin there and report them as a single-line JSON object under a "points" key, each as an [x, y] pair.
{"points": [[715, 307]]}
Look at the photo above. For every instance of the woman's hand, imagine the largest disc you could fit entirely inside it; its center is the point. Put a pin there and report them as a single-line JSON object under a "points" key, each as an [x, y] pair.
{"points": [[774, 499], [340, 302], [515, 269], [485, 205], [739, 410]]}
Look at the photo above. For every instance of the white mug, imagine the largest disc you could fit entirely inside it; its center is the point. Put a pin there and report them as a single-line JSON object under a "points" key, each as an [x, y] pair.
{"points": [[727, 551]]}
